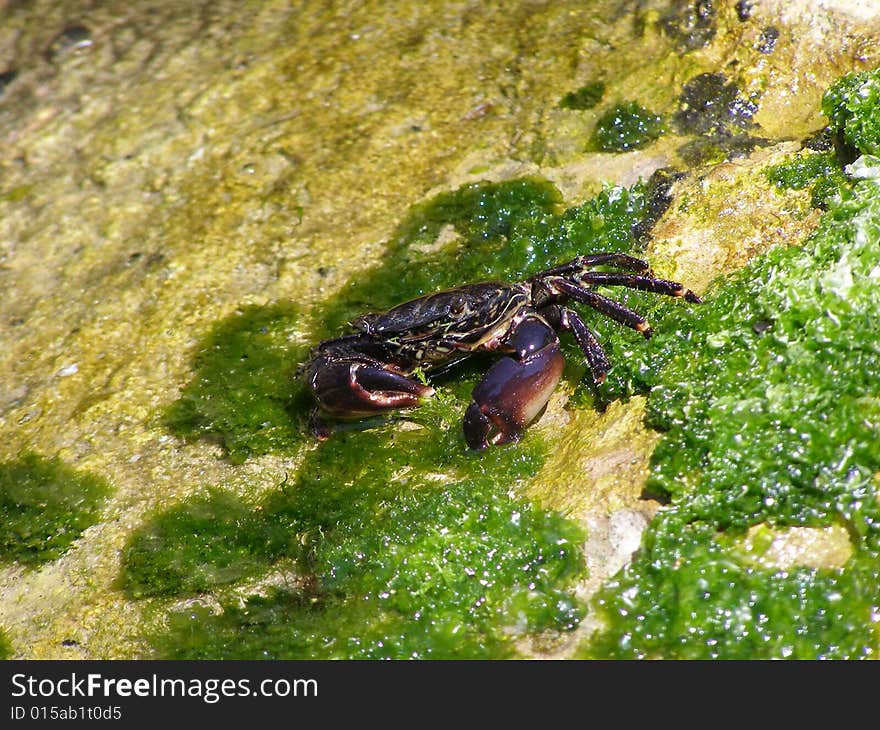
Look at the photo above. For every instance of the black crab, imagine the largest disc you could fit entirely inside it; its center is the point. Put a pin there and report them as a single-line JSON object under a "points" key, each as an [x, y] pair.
{"points": [[374, 370]]}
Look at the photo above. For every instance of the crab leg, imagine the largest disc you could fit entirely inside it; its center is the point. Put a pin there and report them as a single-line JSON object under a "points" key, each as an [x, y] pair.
{"points": [[604, 305], [634, 281], [516, 388], [624, 261], [570, 321]]}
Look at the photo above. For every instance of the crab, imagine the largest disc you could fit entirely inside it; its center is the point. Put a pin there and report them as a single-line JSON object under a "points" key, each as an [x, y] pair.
{"points": [[378, 368]]}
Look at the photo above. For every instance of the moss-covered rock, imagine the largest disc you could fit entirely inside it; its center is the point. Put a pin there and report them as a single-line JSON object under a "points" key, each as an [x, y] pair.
{"points": [[193, 194], [44, 508], [767, 401], [627, 126], [852, 105]]}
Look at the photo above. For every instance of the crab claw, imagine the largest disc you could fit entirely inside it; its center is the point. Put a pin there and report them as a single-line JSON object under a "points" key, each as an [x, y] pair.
{"points": [[347, 388], [514, 391]]}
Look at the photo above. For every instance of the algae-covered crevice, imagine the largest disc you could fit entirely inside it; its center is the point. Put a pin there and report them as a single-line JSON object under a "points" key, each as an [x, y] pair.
{"points": [[769, 411]]}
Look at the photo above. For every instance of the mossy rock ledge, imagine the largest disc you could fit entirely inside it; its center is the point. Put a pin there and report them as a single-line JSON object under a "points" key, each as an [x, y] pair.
{"points": [[192, 195]]}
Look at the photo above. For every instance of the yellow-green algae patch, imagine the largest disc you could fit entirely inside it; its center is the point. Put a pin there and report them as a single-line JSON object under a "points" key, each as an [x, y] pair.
{"points": [[790, 547], [727, 214], [609, 451]]}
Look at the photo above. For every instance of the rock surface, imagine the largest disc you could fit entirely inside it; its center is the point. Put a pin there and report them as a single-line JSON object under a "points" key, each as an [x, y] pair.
{"points": [[161, 169]]}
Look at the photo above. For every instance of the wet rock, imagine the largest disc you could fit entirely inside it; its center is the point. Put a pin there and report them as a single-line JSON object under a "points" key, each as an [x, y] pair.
{"points": [[693, 26], [711, 103], [6, 78], [767, 41], [71, 41]]}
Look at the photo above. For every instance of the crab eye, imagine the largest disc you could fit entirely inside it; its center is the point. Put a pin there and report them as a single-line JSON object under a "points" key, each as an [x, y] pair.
{"points": [[457, 305]]}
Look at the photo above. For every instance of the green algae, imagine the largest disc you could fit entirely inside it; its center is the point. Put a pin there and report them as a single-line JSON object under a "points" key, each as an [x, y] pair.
{"points": [[396, 560], [244, 391], [586, 97], [852, 105], [767, 396], [456, 572], [802, 171], [206, 541], [820, 172], [627, 126], [45, 506]]}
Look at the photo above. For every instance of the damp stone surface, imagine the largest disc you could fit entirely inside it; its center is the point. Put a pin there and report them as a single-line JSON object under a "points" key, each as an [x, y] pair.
{"points": [[194, 194]]}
